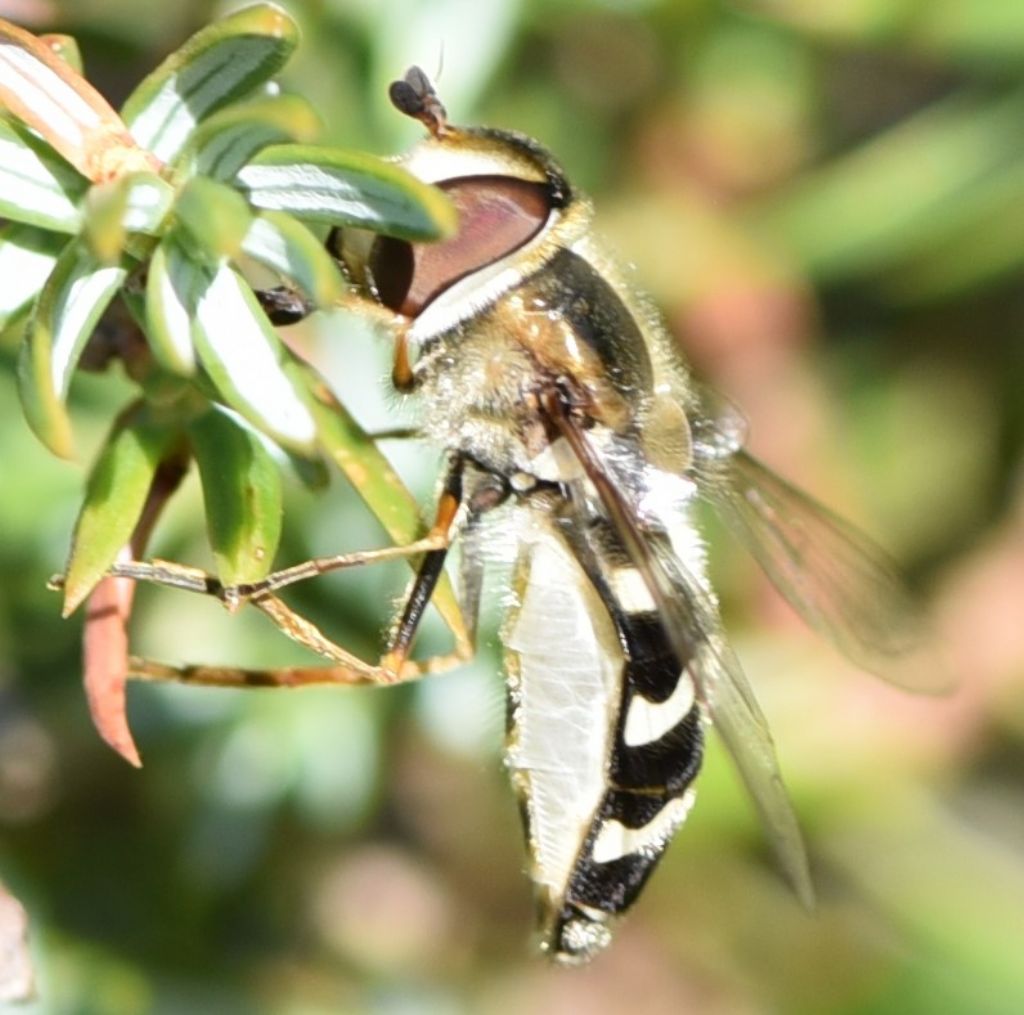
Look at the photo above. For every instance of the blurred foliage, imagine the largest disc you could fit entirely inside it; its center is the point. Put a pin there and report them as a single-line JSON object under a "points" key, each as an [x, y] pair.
{"points": [[824, 200]]}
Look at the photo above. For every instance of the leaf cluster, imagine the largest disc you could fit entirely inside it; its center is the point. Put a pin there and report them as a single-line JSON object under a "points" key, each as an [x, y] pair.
{"points": [[133, 237]]}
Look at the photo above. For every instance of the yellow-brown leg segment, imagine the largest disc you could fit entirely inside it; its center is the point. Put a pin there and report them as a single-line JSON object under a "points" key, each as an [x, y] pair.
{"points": [[429, 571], [401, 371], [192, 579]]}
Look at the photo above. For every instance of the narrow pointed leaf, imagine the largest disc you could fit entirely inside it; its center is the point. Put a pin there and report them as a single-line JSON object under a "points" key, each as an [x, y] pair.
{"points": [[105, 206], [29, 255], [105, 663], [244, 357], [215, 217], [346, 188], [42, 90], [977, 242], [70, 304], [66, 47], [217, 65], [114, 498], [242, 496], [149, 199], [941, 30], [173, 287], [285, 245], [878, 203], [225, 142], [136, 202], [105, 655], [36, 186], [375, 480]]}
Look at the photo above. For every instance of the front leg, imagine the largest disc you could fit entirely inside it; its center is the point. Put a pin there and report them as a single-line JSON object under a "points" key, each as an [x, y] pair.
{"points": [[427, 574], [403, 377]]}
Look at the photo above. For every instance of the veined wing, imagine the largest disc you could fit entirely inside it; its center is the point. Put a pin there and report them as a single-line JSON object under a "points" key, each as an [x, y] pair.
{"points": [[738, 718], [841, 583], [690, 615]]}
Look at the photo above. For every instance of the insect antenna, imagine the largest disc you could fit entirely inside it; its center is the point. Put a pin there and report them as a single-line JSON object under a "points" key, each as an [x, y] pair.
{"points": [[414, 96]]}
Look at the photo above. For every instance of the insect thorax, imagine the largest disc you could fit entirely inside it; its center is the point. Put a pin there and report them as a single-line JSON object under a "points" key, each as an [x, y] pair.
{"points": [[481, 378]]}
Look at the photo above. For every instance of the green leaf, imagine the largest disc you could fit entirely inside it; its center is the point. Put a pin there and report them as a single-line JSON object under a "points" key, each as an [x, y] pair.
{"points": [[242, 494], [27, 254], [984, 30], [216, 66], [133, 203], [229, 139], [347, 188], [70, 304], [43, 91], [173, 287], [215, 217], [149, 200], [994, 30], [66, 47], [976, 243], [869, 208], [114, 498], [373, 478], [104, 231], [244, 357], [285, 245], [36, 186]]}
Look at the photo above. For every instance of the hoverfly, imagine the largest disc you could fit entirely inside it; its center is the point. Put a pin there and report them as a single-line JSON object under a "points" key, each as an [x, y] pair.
{"points": [[569, 416]]}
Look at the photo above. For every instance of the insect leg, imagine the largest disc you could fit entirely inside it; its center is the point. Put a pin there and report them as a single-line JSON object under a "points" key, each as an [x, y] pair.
{"points": [[429, 571], [460, 509], [398, 433], [402, 377], [348, 669], [192, 579]]}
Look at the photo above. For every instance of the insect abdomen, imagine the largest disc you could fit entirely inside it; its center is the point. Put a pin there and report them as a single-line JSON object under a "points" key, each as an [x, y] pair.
{"points": [[605, 739], [656, 752]]}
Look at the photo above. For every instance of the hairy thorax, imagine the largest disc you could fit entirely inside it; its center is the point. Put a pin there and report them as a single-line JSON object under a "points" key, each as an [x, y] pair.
{"points": [[481, 381]]}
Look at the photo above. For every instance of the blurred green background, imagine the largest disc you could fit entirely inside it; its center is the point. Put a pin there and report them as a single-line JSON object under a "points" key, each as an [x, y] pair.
{"points": [[827, 201]]}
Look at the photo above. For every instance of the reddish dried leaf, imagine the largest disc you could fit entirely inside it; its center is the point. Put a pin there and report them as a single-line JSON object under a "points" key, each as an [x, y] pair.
{"points": [[105, 639], [105, 656]]}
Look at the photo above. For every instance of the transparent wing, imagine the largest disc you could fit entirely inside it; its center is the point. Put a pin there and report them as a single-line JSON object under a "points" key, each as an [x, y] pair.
{"points": [[744, 732], [690, 616], [842, 584], [739, 721], [718, 427]]}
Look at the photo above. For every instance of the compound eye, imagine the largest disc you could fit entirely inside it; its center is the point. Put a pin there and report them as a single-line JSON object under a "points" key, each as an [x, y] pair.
{"points": [[497, 216]]}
